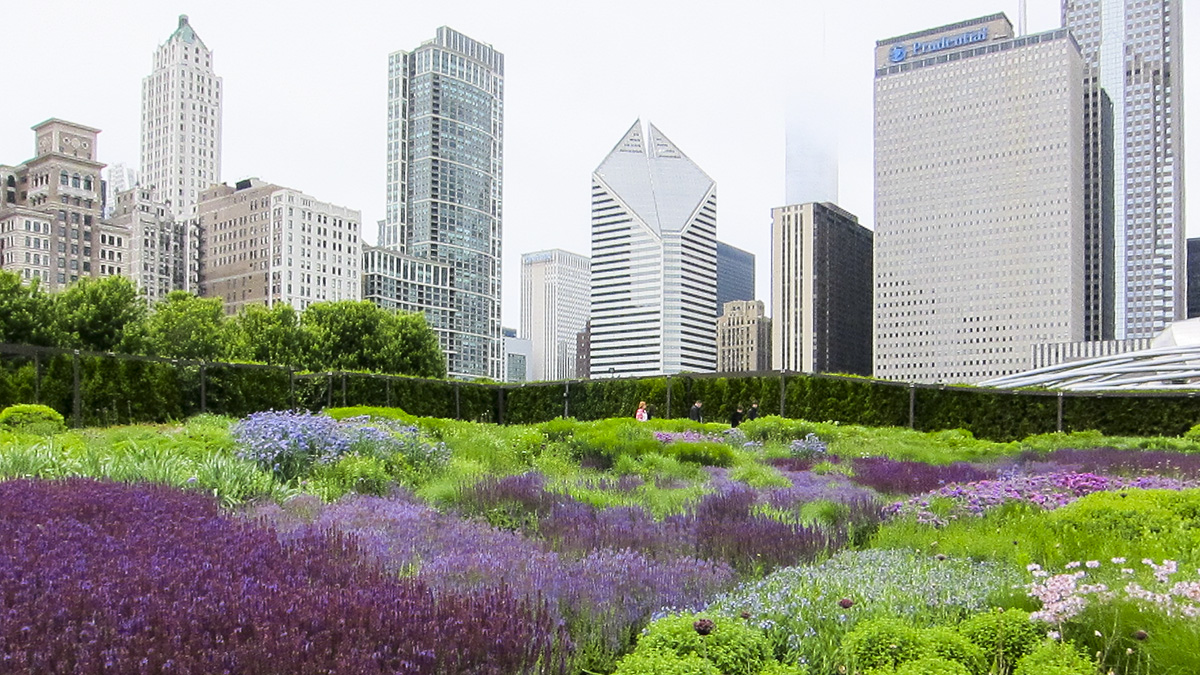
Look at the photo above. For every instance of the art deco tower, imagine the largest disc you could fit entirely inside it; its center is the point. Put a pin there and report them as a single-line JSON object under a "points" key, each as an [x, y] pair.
{"points": [[654, 260], [181, 122]]}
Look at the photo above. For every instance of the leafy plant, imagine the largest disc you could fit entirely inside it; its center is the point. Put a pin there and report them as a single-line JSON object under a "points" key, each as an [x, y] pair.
{"points": [[33, 419], [1005, 636]]}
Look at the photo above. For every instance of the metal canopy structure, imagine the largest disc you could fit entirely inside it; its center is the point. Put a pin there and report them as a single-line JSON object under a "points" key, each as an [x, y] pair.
{"points": [[1171, 363]]}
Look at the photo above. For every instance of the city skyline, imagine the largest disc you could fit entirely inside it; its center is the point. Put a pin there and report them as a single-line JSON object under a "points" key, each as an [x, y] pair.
{"points": [[304, 116]]}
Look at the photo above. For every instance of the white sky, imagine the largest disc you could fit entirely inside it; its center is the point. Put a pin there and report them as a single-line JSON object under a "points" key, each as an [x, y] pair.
{"points": [[305, 92]]}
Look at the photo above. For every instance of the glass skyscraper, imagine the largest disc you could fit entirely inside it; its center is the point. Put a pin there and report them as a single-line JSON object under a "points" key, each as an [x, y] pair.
{"points": [[444, 166], [1133, 48]]}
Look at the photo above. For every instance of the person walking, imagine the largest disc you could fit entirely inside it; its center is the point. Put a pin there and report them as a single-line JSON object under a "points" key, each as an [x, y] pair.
{"points": [[752, 414], [642, 414], [736, 418], [694, 413]]}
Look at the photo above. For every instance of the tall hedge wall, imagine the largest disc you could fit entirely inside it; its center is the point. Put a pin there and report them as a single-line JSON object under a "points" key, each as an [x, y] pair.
{"points": [[118, 390]]}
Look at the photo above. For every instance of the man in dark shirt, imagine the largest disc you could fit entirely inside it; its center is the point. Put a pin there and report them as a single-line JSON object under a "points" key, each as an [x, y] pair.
{"points": [[752, 414], [736, 418], [694, 413]]}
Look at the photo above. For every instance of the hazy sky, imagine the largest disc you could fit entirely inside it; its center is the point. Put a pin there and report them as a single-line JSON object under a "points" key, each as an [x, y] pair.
{"points": [[305, 92]]}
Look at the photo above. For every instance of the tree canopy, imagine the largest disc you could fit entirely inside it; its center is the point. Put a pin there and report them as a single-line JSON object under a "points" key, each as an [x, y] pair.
{"points": [[110, 314]]}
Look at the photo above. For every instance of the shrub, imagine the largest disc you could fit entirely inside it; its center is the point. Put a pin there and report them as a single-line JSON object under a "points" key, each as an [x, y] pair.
{"points": [[705, 453], [773, 428], [1132, 515], [661, 662], [731, 645], [360, 474], [881, 643], [932, 666], [945, 643], [1004, 636], [1055, 658], [32, 418]]}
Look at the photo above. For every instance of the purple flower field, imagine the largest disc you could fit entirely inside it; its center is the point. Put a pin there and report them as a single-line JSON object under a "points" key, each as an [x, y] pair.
{"points": [[108, 578]]}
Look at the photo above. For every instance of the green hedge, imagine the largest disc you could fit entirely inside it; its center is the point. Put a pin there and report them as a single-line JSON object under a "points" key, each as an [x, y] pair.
{"points": [[116, 390]]}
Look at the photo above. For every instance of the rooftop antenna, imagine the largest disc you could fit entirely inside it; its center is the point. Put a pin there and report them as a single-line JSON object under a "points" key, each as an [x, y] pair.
{"points": [[1021, 15]]}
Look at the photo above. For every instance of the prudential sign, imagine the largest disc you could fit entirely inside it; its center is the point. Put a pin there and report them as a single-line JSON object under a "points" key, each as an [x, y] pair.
{"points": [[901, 52]]}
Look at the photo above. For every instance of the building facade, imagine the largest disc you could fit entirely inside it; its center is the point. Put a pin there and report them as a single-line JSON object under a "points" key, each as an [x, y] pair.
{"points": [[518, 357], [979, 200], [181, 122], [821, 281], [262, 243], [1133, 49], [1193, 278], [735, 275], [162, 258], [50, 214], [743, 337], [654, 260], [445, 144], [555, 297]]}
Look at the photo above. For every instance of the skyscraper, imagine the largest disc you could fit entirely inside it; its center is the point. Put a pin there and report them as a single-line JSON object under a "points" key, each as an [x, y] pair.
{"points": [[820, 290], [979, 200], [735, 275], [555, 289], [654, 260], [445, 140], [1134, 50], [181, 122], [743, 337]]}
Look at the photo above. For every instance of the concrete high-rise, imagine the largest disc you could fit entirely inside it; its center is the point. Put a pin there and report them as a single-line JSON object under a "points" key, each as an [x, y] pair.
{"points": [[50, 211], [979, 200], [181, 122], [743, 337], [1134, 50], [735, 275], [820, 290], [445, 151], [654, 260], [262, 243], [555, 297], [162, 258]]}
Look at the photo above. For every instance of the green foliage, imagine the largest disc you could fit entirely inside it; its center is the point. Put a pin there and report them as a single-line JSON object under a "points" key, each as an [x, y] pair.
{"points": [[373, 412], [1055, 658], [101, 315], [731, 645], [32, 418], [775, 429], [1133, 523], [184, 326], [1005, 636], [361, 474], [26, 312], [350, 335], [705, 453], [759, 476], [881, 643], [945, 643], [933, 666], [661, 662], [271, 335]]}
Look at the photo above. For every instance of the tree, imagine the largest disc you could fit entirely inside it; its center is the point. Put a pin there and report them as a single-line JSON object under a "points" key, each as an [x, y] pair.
{"points": [[361, 336], [26, 313], [100, 314], [184, 326], [270, 335]]}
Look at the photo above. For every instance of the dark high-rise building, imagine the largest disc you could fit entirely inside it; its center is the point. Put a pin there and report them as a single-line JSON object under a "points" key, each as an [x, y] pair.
{"points": [[821, 290], [735, 275], [1193, 278]]}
